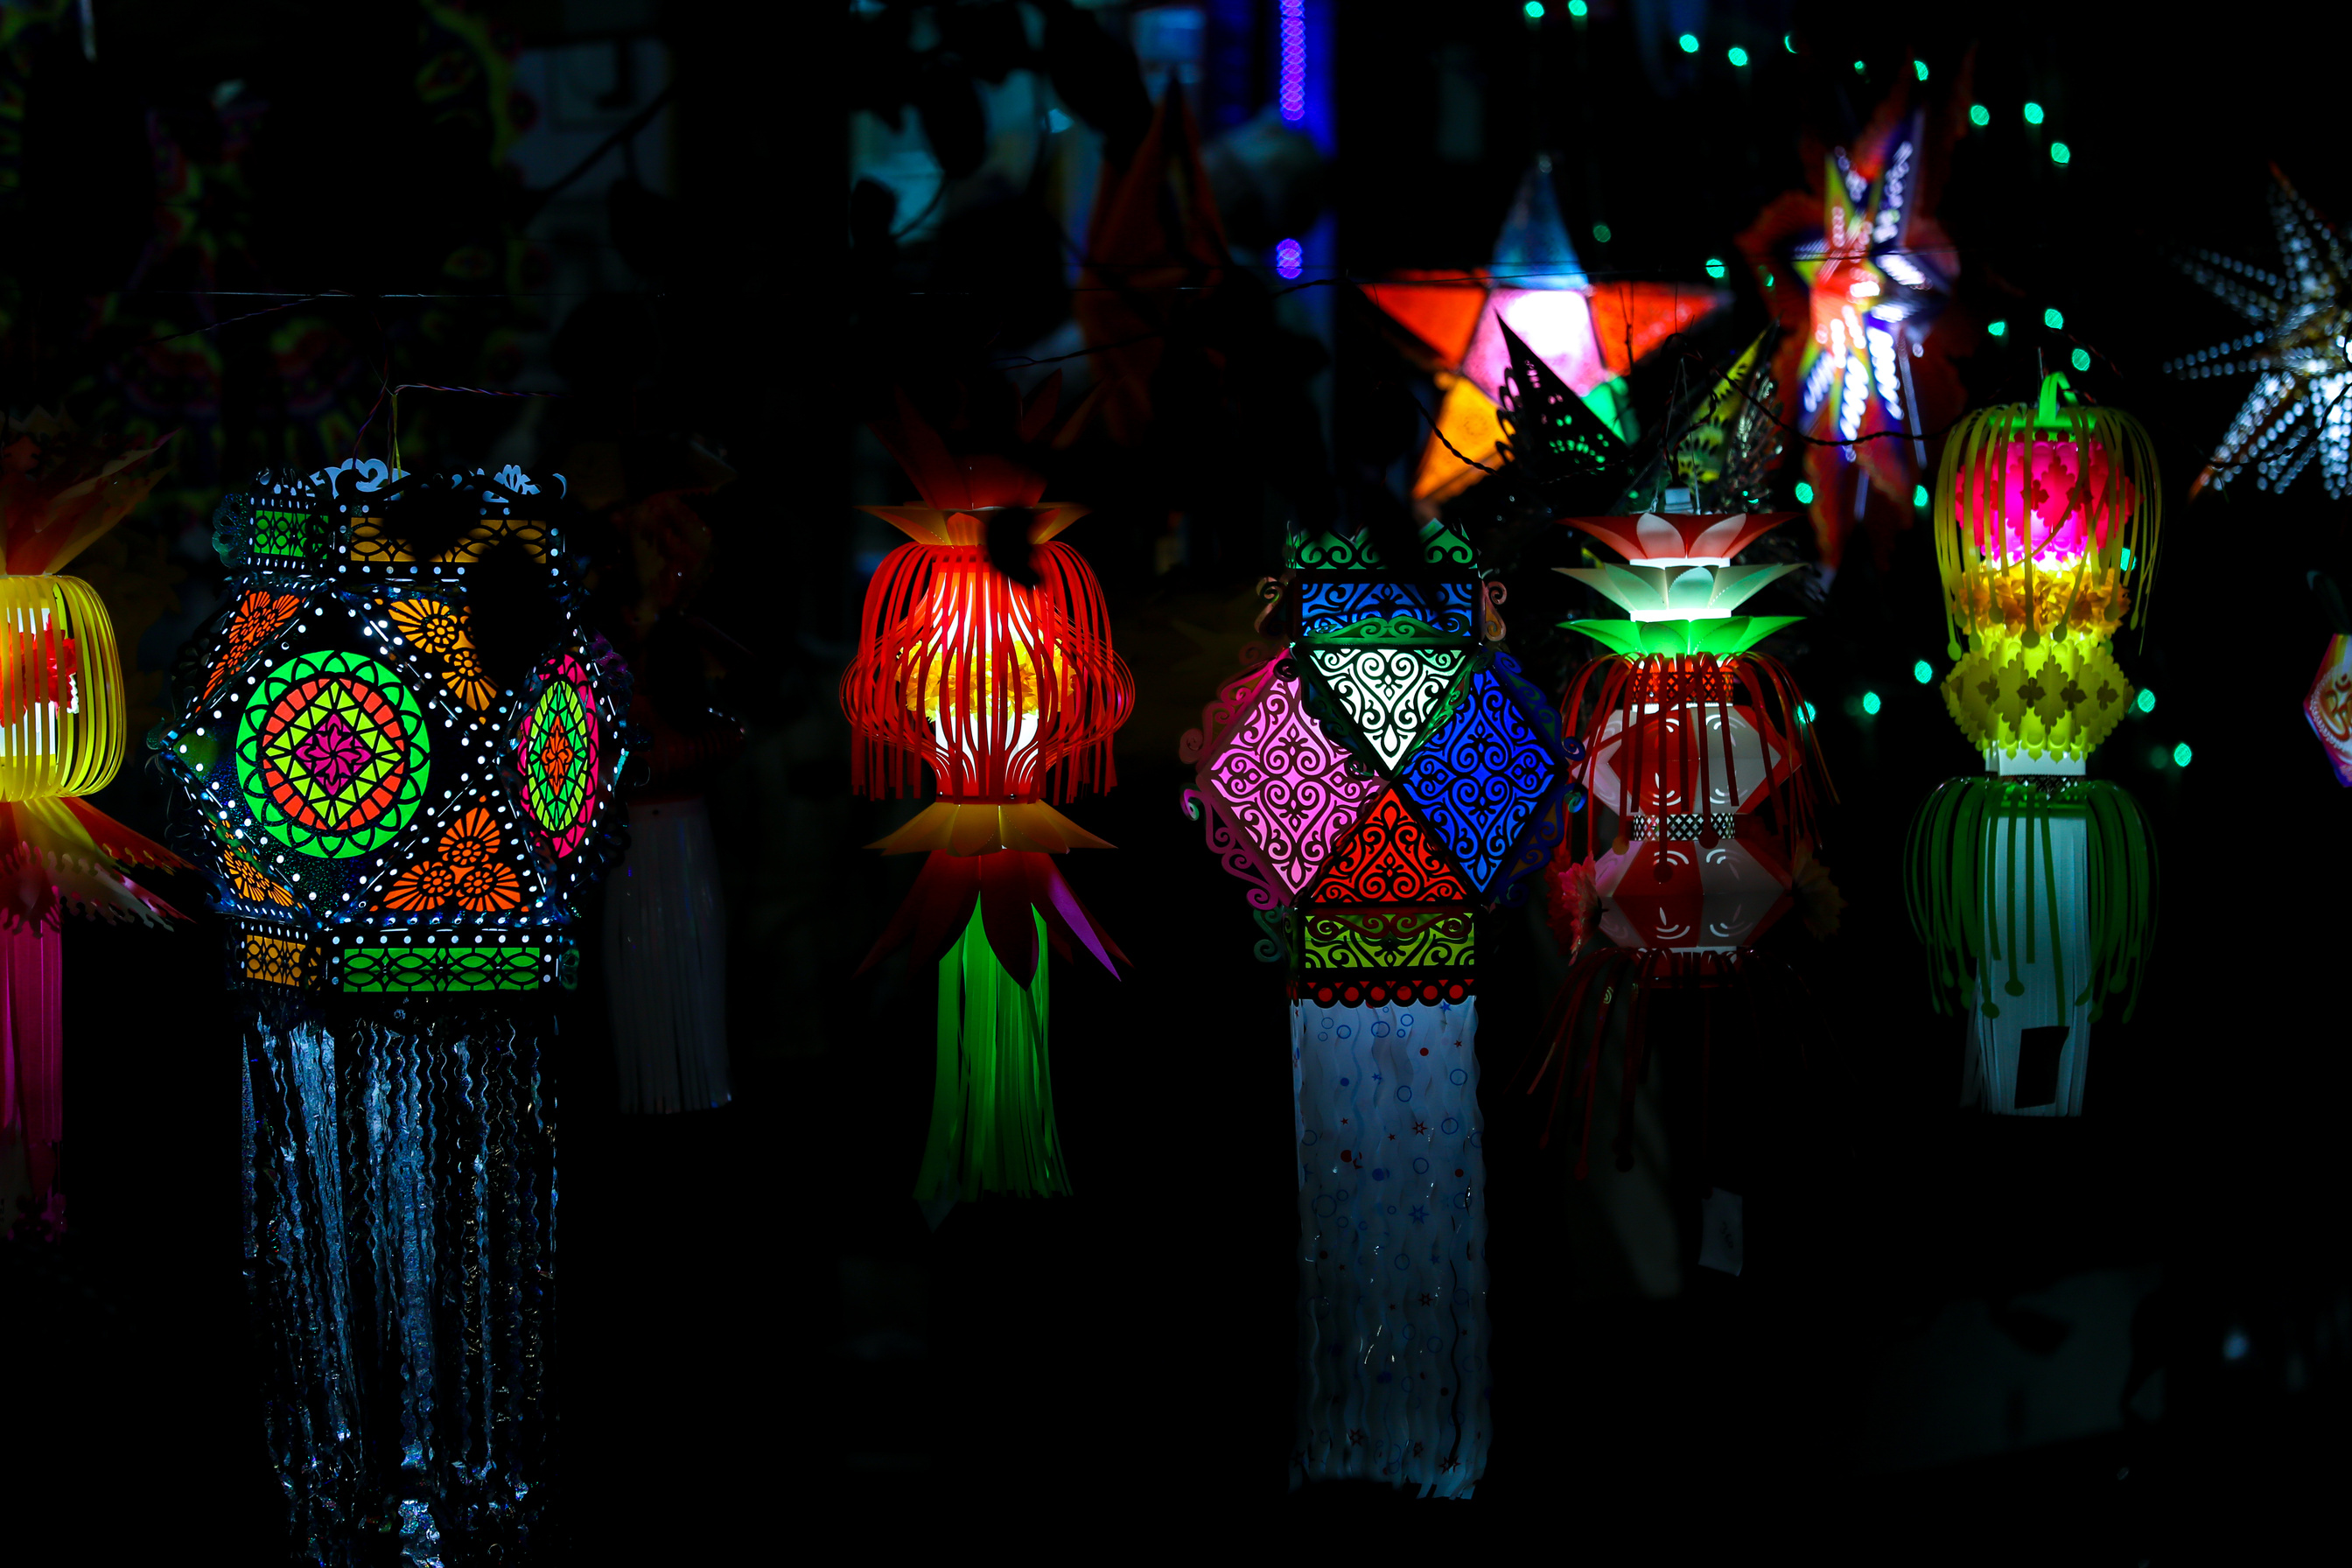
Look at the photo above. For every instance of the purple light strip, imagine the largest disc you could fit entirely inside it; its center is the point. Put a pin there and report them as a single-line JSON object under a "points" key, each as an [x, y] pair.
{"points": [[1292, 91]]}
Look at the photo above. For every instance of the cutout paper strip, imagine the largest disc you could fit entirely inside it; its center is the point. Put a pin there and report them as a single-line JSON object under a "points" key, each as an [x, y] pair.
{"points": [[1860, 276], [1377, 783], [396, 752], [2034, 887], [61, 738], [1590, 335], [985, 660], [1702, 750], [2300, 353]]}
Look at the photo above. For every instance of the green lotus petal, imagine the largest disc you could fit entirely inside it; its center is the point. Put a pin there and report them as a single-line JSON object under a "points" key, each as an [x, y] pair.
{"points": [[1617, 636]]}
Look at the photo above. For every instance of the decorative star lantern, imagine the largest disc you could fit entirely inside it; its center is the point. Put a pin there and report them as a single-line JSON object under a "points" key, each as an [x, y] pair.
{"points": [[396, 751], [1589, 334], [2034, 886], [1378, 782], [2300, 353], [1701, 749], [61, 738], [1859, 274], [985, 661]]}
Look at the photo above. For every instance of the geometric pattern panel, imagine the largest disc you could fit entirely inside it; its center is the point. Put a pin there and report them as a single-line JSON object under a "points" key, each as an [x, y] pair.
{"points": [[1388, 939], [559, 753], [457, 968], [1326, 604], [332, 754], [1289, 789], [1392, 693], [1483, 774], [259, 616], [439, 629], [466, 872], [1389, 859]]}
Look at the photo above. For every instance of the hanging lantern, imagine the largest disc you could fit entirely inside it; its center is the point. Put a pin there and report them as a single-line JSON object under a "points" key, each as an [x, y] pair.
{"points": [[395, 752], [61, 738], [2034, 887], [1700, 749], [1469, 327], [1377, 783], [984, 660]]}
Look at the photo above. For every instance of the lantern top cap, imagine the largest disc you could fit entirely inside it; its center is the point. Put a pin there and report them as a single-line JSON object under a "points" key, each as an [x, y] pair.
{"points": [[1693, 539], [964, 526]]}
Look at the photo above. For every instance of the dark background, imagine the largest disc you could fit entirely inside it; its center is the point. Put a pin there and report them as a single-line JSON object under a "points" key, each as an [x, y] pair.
{"points": [[756, 1319]]}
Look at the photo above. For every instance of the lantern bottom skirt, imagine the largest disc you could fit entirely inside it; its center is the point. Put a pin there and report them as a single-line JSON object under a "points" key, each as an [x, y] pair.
{"points": [[32, 1103], [1392, 1331], [400, 1253], [666, 961], [993, 1105], [2029, 1050]]}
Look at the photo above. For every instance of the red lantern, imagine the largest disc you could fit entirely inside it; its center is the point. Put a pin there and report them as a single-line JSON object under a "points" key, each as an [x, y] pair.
{"points": [[985, 660]]}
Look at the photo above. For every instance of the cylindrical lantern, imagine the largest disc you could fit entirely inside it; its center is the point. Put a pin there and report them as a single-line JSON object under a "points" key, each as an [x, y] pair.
{"points": [[2034, 887], [985, 661], [61, 738], [396, 752], [1701, 749], [1378, 781]]}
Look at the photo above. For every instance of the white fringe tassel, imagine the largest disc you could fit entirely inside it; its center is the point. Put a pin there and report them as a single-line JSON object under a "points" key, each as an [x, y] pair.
{"points": [[666, 961]]}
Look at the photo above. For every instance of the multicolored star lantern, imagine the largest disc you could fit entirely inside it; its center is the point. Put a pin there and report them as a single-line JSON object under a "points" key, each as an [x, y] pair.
{"points": [[1590, 334], [1860, 273], [2301, 352]]}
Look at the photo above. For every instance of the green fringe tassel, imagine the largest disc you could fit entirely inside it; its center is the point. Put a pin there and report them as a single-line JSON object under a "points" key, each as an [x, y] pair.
{"points": [[992, 1107], [1948, 883]]}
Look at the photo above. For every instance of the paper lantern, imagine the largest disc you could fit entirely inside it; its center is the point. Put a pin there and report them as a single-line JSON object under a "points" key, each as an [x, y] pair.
{"points": [[2034, 886], [61, 738], [2328, 705], [1859, 274], [1590, 334], [1700, 747], [395, 752], [984, 660], [1378, 782]]}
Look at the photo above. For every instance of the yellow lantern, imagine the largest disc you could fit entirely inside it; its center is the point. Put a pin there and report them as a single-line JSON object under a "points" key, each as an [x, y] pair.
{"points": [[61, 738]]}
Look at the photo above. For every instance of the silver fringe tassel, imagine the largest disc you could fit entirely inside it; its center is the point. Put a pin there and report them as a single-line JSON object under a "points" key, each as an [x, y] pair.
{"points": [[400, 1253]]}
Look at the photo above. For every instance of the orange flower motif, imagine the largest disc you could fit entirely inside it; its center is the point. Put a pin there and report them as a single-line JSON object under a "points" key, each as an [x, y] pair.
{"points": [[258, 617], [441, 630], [464, 871]]}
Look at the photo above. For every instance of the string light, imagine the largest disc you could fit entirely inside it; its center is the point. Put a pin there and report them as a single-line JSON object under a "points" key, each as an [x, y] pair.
{"points": [[1979, 115], [2144, 701], [2180, 756], [1923, 672], [2061, 155], [1737, 56], [1919, 67], [2054, 319], [1715, 267], [2032, 112], [1600, 232], [1689, 42], [2080, 359], [1534, 8], [1289, 258], [1996, 329], [1871, 703]]}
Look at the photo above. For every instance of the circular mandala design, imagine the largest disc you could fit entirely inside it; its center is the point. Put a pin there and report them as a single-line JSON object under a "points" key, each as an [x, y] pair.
{"points": [[559, 755], [332, 754]]}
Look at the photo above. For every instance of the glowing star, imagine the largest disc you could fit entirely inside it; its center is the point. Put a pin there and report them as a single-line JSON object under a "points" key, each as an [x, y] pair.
{"points": [[2302, 355], [1589, 334], [1859, 274]]}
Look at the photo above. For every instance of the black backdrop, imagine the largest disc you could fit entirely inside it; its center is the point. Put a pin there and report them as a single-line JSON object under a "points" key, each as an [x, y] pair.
{"points": [[757, 1323]]}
